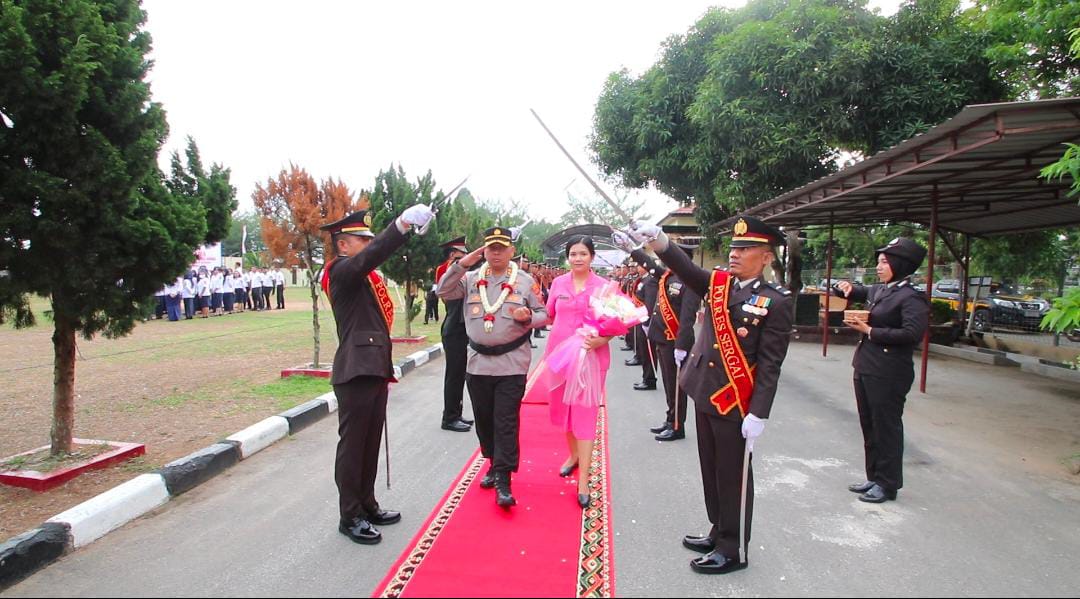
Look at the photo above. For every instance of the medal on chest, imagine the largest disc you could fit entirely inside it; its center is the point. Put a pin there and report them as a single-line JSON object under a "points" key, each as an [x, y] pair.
{"points": [[757, 305]]}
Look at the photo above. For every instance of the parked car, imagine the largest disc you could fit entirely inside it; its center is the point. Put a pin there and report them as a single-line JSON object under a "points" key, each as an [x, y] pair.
{"points": [[1004, 307]]}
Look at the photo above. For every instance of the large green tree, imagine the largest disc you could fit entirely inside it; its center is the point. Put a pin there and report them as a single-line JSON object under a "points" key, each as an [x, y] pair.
{"points": [[213, 189], [87, 219], [754, 101], [1029, 45], [413, 265]]}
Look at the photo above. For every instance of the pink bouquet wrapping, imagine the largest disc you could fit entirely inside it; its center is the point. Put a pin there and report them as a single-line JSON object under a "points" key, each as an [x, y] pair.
{"points": [[610, 313]]}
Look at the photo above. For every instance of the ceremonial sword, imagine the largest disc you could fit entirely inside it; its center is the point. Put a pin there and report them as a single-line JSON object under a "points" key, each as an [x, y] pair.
{"points": [[435, 208], [614, 206]]}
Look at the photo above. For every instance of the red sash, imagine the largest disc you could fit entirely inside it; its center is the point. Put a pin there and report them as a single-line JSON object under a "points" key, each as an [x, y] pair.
{"points": [[378, 287], [441, 270], [740, 374], [670, 318]]}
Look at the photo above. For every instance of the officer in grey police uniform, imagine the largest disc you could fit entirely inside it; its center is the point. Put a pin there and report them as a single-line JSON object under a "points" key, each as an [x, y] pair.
{"points": [[733, 388], [363, 369], [884, 367], [501, 310]]}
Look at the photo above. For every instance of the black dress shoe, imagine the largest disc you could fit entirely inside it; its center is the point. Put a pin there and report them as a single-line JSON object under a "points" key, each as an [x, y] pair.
{"points": [[503, 497], [633, 362], [861, 487], [717, 563], [466, 421], [360, 531], [568, 470], [877, 494], [626, 349], [699, 544], [659, 429], [489, 480], [384, 517], [457, 426], [645, 386], [583, 500], [671, 435]]}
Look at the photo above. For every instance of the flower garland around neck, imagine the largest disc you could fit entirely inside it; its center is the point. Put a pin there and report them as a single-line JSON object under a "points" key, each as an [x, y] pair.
{"points": [[507, 289]]}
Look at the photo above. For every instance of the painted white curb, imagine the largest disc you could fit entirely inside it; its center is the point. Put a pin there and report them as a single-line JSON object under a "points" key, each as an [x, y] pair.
{"points": [[330, 399], [95, 517], [418, 358], [260, 435]]}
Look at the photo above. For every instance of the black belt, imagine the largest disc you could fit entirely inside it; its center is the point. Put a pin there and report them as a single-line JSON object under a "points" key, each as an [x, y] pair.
{"points": [[498, 350]]}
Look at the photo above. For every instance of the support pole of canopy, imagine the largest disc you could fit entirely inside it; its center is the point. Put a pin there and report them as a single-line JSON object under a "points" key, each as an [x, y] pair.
{"points": [[929, 287], [828, 292]]}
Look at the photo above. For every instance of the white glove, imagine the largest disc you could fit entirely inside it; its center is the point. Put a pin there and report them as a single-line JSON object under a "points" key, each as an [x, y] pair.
{"points": [[752, 427], [644, 232], [417, 216], [680, 355], [622, 241]]}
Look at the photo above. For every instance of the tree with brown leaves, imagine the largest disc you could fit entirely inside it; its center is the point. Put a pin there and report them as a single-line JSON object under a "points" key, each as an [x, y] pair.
{"points": [[293, 206]]}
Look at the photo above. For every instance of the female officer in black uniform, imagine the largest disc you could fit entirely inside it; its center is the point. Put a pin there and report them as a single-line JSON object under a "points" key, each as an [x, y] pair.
{"points": [[884, 369]]}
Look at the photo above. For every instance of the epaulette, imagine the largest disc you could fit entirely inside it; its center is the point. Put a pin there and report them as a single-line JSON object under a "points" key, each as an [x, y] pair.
{"points": [[779, 289]]}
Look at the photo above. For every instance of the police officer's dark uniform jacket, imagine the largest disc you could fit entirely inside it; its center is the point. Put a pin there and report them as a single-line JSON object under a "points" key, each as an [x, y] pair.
{"points": [[884, 368]]}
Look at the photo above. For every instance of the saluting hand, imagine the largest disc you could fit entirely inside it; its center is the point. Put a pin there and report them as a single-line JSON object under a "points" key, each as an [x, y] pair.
{"points": [[522, 314], [472, 258]]}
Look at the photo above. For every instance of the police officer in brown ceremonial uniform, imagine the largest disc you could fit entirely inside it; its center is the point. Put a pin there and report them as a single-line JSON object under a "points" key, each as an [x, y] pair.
{"points": [[731, 373], [671, 333], [455, 346], [501, 309], [362, 370]]}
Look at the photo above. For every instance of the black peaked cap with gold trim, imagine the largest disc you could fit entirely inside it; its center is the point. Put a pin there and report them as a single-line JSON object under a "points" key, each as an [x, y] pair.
{"points": [[750, 231], [358, 223], [499, 235]]}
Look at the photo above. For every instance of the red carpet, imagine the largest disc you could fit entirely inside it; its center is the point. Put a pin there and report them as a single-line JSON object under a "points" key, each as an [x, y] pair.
{"points": [[545, 546]]}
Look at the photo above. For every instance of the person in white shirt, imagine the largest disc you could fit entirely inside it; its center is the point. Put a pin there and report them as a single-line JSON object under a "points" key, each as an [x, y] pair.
{"points": [[267, 287], [279, 280], [216, 290], [172, 300], [227, 294], [240, 290], [202, 290], [187, 292]]}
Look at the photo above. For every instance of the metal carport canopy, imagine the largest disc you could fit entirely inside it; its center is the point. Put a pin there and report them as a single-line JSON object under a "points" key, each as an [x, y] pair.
{"points": [[980, 168]]}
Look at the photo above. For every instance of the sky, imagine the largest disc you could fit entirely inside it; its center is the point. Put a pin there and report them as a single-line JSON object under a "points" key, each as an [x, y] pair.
{"points": [[346, 89]]}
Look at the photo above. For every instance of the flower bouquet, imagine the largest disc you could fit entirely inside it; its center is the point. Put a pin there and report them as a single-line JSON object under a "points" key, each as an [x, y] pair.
{"points": [[610, 313]]}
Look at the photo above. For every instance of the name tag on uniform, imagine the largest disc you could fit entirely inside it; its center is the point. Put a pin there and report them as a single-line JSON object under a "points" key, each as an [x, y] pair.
{"points": [[474, 298], [514, 297]]}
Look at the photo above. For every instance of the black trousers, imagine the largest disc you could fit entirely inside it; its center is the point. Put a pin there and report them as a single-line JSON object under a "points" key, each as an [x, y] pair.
{"points": [[665, 354], [266, 292], [720, 451], [281, 297], [456, 353], [361, 415], [431, 309], [881, 410], [641, 351], [496, 402], [189, 307]]}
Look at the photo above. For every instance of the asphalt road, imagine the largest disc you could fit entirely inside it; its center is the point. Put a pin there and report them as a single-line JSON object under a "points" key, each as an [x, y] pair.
{"points": [[964, 525]]}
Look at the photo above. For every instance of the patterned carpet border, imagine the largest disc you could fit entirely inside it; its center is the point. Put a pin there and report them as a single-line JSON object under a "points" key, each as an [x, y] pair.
{"points": [[397, 582], [595, 571]]}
